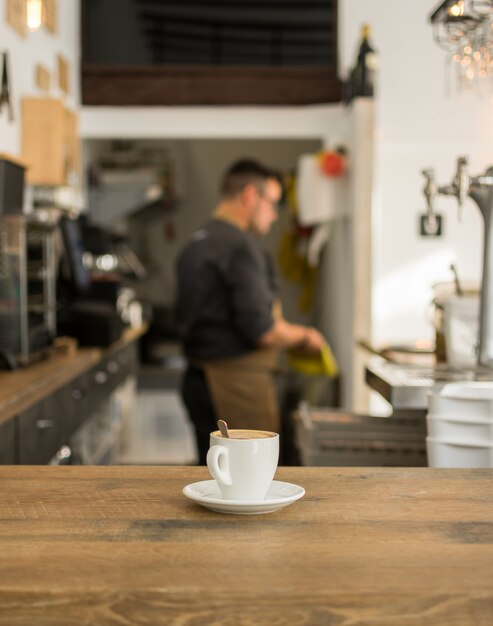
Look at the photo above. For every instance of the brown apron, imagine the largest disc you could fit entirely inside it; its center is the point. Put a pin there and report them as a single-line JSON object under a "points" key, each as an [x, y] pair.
{"points": [[243, 388]]}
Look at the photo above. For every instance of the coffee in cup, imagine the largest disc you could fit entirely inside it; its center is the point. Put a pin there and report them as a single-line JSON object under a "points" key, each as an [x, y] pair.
{"points": [[239, 433], [244, 463]]}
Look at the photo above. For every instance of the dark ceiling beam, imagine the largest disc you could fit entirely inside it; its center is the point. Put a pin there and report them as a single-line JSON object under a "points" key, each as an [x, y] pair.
{"points": [[248, 36], [232, 5], [200, 25], [278, 18], [208, 85], [247, 52]]}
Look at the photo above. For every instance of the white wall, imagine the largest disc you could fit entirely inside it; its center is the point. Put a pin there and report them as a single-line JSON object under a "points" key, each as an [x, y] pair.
{"points": [[228, 122], [25, 53], [345, 282], [418, 125]]}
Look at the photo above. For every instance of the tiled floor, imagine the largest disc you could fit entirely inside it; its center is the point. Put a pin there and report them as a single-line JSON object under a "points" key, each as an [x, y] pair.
{"points": [[157, 430]]}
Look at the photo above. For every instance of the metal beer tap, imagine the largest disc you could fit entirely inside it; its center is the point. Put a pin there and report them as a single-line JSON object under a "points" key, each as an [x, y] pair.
{"points": [[480, 189], [430, 191]]}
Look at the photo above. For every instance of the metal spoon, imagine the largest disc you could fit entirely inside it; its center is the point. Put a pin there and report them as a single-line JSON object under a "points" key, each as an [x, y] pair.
{"points": [[223, 427]]}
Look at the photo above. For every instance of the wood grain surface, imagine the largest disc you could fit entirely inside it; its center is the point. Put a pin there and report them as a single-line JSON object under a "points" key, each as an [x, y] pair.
{"points": [[122, 545], [21, 389]]}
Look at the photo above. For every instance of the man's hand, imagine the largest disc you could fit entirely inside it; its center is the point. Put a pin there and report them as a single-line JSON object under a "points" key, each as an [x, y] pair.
{"points": [[313, 340], [286, 335]]}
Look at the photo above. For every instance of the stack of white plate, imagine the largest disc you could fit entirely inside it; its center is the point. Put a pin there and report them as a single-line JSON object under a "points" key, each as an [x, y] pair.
{"points": [[460, 425]]}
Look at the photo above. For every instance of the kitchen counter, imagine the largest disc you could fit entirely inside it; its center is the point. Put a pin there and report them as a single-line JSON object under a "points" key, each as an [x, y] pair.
{"points": [[122, 545], [22, 388], [406, 386]]}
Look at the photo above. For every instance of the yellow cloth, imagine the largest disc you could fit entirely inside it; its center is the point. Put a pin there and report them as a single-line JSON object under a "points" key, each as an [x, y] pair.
{"points": [[321, 364], [291, 262], [295, 268]]}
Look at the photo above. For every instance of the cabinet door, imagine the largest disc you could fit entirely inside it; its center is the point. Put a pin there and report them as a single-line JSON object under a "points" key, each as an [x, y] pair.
{"points": [[126, 360], [7, 442], [45, 427], [90, 390], [130, 357], [83, 401]]}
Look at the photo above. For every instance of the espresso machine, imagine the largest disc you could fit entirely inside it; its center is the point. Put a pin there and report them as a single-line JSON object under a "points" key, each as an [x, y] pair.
{"points": [[27, 289], [480, 189], [27, 274]]}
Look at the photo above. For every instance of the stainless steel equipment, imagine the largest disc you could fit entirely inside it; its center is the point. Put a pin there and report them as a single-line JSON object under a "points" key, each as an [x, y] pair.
{"points": [[480, 189], [406, 387], [328, 436], [27, 288]]}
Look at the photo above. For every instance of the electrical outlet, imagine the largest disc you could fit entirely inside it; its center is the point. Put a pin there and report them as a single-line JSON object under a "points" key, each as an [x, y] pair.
{"points": [[430, 225]]}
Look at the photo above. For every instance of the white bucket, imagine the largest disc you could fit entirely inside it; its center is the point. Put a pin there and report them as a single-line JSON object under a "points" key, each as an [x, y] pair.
{"points": [[461, 330], [473, 430], [456, 322], [443, 453], [464, 400]]}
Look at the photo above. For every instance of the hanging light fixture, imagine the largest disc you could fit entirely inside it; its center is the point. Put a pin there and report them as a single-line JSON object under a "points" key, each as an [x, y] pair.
{"points": [[464, 28], [34, 14]]}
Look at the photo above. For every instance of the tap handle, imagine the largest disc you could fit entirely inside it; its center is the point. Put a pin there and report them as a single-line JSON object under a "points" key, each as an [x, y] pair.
{"points": [[462, 182], [430, 189]]}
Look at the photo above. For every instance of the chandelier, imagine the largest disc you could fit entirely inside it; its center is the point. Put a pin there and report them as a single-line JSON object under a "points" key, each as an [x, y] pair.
{"points": [[464, 28]]}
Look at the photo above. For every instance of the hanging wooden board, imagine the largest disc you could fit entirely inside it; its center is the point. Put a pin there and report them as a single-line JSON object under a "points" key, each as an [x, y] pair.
{"points": [[63, 73], [17, 15], [42, 77], [50, 15]]}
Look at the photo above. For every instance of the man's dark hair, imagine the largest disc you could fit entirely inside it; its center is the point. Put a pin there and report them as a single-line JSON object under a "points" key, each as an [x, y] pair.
{"points": [[246, 172]]}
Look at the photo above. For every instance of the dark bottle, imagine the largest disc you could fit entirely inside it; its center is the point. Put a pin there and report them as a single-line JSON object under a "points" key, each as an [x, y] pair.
{"points": [[367, 62], [362, 77]]}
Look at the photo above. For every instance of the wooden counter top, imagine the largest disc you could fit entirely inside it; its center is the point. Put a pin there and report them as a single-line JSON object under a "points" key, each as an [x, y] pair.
{"points": [[122, 545], [22, 388]]}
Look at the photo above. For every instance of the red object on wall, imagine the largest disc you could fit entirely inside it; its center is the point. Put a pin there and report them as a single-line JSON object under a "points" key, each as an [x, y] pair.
{"points": [[332, 163]]}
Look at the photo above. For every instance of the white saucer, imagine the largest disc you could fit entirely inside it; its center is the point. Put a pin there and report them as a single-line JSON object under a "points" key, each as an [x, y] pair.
{"points": [[207, 493]]}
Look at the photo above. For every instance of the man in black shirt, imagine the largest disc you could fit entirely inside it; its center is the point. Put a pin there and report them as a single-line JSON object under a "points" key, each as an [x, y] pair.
{"points": [[227, 313]]}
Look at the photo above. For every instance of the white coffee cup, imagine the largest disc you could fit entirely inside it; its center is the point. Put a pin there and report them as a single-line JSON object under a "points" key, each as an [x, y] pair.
{"points": [[244, 463]]}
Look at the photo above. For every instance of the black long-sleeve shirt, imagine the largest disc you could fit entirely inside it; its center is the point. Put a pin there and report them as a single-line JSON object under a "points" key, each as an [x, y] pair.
{"points": [[225, 290]]}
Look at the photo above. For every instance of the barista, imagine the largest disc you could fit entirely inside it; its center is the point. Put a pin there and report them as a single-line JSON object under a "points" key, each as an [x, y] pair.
{"points": [[228, 314]]}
